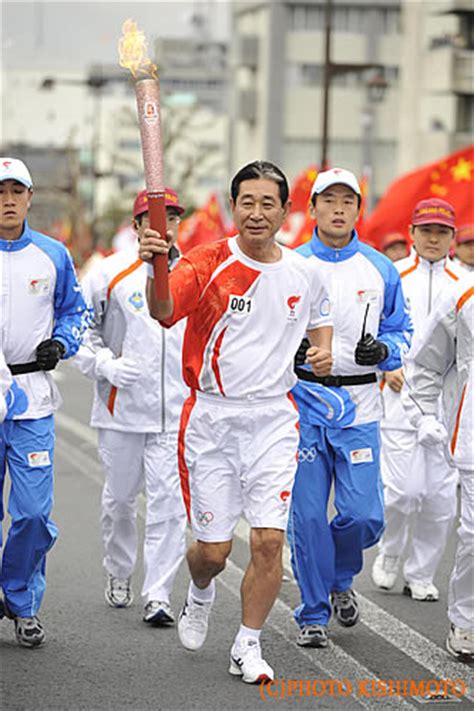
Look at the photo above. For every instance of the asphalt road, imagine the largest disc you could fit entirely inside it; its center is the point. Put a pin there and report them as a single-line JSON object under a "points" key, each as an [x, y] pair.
{"points": [[100, 658]]}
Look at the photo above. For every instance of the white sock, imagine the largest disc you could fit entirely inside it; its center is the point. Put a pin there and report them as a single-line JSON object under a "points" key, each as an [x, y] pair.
{"points": [[202, 594], [246, 632]]}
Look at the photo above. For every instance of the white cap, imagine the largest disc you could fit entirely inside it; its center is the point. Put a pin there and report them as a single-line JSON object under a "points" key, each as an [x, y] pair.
{"points": [[335, 176], [14, 169]]}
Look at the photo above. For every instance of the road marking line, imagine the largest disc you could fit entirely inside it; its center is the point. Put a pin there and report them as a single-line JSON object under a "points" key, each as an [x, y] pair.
{"points": [[85, 432], [333, 662], [400, 635]]}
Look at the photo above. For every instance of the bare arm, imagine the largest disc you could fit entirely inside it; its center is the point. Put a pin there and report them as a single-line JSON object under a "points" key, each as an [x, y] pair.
{"points": [[152, 244], [319, 355]]}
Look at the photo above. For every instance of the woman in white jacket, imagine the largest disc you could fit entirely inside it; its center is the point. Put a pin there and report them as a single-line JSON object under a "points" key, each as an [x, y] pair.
{"points": [[444, 349]]}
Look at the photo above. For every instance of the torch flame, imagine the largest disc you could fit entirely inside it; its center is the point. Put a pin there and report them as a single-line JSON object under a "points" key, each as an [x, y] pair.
{"points": [[133, 50]]}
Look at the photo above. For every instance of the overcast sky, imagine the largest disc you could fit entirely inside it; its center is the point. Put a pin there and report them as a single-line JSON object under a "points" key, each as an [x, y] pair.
{"points": [[71, 35]]}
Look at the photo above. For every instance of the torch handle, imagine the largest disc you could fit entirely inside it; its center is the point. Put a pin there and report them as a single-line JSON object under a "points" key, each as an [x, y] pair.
{"points": [[157, 217]]}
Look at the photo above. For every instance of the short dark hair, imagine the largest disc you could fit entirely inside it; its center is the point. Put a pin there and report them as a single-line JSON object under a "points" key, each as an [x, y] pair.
{"points": [[260, 169], [315, 195]]}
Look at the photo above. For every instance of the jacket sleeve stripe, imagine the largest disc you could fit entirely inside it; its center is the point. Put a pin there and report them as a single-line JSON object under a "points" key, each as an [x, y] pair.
{"points": [[462, 299], [121, 275], [458, 420]]}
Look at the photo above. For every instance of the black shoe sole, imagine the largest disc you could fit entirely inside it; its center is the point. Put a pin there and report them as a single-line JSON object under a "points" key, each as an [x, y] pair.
{"points": [[159, 621], [344, 623], [314, 645]]}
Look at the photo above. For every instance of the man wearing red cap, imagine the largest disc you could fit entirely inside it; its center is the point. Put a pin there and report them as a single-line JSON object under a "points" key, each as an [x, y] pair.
{"points": [[420, 485], [395, 246], [139, 393], [464, 247]]}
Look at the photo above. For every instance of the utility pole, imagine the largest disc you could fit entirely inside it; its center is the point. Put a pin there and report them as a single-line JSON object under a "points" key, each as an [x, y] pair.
{"points": [[332, 69], [327, 84]]}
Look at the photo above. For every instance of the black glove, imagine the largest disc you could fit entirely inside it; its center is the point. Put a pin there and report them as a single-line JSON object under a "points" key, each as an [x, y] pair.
{"points": [[300, 356], [48, 354], [369, 351]]}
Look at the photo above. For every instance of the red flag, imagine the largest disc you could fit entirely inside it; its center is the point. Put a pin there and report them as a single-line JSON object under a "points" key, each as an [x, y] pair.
{"points": [[450, 178], [205, 225], [301, 189]]}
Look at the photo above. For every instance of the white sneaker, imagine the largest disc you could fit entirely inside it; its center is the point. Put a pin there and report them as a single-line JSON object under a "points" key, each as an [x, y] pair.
{"points": [[29, 631], [425, 592], [158, 613], [118, 593], [385, 570], [460, 643], [193, 622], [246, 661]]}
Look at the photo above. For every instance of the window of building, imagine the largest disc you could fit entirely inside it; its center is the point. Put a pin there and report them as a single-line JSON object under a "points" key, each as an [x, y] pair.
{"points": [[306, 18], [389, 21], [465, 114], [345, 18]]}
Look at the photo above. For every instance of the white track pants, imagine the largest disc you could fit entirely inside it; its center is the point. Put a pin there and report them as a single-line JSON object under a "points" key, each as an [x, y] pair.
{"points": [[134, 462], [420, 503], [461, 584]]}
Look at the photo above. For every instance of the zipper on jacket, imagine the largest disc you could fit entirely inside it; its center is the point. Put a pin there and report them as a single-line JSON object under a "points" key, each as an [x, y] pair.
{"points": [[430, 287], [163, 369]]}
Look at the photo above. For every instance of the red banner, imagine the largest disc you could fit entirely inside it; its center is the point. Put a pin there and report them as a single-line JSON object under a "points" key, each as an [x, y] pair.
{"points": [[450, 178]]}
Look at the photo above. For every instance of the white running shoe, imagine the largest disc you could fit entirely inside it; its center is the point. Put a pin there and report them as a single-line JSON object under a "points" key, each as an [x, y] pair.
{"points": [[425, 592], [193, 622], [385, 570], [158, 613], [246, 661], [118, 593], [29, 631], [460, 643]]}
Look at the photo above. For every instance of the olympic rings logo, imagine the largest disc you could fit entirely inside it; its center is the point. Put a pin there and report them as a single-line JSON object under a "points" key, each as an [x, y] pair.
{"points": [[205, 517], [307, 455]]}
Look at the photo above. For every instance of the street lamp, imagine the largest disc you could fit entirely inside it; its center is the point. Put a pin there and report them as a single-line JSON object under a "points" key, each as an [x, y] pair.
{"points": [[376, 88]]}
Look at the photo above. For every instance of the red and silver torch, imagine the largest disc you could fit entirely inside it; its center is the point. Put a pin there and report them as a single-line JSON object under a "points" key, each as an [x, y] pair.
{"points": [[132, 53]]}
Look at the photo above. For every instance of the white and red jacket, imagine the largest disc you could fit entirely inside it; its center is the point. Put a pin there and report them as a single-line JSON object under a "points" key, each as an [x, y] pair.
{"points": [[246, 318], [423, 283], [115, 287], [444, 347]]}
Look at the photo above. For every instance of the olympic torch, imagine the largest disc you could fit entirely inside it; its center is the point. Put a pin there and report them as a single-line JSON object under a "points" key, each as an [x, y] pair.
{"points": [[132, 53]]}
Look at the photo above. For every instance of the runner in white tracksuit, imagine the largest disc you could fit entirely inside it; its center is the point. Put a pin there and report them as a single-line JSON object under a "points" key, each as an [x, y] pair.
{"points": [[447, 345], [138, 398], [419, 483]]}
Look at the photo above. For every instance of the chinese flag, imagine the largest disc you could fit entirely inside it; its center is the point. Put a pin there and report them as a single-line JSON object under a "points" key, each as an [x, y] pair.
{"points": [[301, 189], [450, 178], [205, 225]]}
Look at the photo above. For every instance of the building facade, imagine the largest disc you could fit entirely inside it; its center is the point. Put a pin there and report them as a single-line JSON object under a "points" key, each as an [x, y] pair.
{"points": [[437, 80], [279, 60]]}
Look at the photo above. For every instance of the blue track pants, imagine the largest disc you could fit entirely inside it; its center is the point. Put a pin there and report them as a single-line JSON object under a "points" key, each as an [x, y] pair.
{"points": [[326, 556], [27, 449]]}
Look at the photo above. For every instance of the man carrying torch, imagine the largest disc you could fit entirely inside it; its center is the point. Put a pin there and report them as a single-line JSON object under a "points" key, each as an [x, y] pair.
{"points": [[248, 302]]}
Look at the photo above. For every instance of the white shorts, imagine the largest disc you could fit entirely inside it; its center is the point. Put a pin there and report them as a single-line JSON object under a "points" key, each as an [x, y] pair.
{"points": [[237, 457]]}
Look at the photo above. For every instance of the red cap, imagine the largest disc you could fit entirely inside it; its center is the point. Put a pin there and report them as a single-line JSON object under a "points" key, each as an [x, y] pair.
{"points": [[393, 238], [465, 234], [434, 212], [171, 200]]}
